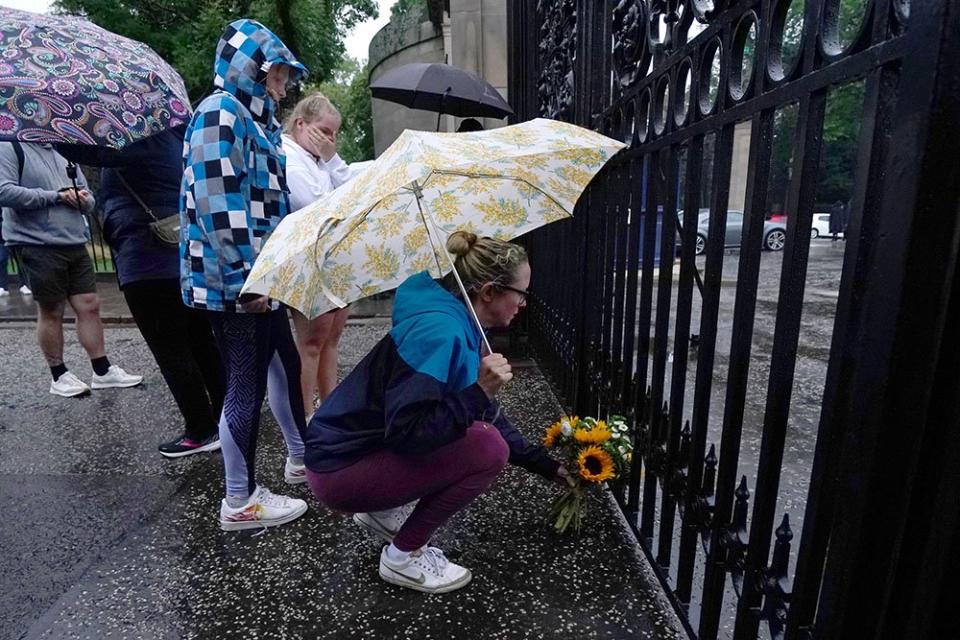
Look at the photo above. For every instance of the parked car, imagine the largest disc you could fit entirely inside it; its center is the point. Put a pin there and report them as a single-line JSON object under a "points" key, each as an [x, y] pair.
{"points": [[774, 233], [821, 226]]}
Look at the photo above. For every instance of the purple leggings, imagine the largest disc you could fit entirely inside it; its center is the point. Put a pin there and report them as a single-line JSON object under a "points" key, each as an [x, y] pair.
{"points": [[444, 480]]}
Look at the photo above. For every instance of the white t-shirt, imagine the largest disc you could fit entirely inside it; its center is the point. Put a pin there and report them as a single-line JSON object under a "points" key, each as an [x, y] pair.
{"points": [[309, 178]]}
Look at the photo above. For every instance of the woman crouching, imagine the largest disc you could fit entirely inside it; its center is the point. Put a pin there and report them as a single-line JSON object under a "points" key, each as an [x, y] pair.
{"points": [[416, 420]]}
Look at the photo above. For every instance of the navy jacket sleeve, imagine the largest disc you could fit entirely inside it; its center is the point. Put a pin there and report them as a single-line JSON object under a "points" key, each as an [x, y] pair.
{"points": [[531, 457], [420, 413]]}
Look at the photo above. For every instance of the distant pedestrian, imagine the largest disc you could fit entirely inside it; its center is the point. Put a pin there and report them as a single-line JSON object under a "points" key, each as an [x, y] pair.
{"points": [[469, 124], [838, 217], [234, 194], [314, 168], [4, 263], [46, 228], [417, 419], [138, 187]]}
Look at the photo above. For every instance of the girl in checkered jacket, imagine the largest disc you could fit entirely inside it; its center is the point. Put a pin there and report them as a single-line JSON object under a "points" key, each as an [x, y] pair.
{"points": [[233, 196]]}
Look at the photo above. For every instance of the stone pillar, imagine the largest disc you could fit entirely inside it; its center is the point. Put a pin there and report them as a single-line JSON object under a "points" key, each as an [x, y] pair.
{"points": [[478, 43], [738, 169]]}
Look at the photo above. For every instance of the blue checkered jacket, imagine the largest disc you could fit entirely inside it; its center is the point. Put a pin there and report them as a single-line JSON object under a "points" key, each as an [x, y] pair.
{"points": [[234, 192]]}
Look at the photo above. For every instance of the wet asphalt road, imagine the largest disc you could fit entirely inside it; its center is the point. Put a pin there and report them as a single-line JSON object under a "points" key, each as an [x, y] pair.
{"points": [[103, 538], [813, 352]]}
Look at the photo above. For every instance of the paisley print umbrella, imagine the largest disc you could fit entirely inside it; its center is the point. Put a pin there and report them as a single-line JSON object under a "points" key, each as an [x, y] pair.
{"points": [[66, 80]]}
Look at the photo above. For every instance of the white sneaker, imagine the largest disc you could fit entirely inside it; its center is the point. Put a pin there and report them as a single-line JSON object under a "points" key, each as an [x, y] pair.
{"points": [[294, 473], [426, 569], [115, 377], [25, 290], [385, 524], [263, 509], [3, 292], [68, 386]]}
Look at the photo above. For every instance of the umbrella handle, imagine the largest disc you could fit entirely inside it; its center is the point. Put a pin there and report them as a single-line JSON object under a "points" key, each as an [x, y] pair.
{"points": [[440, 112], [463, 290]]}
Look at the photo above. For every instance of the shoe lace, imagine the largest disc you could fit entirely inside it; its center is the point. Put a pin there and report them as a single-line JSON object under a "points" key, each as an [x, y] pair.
{"points": [[271, 499], [433, 560]]}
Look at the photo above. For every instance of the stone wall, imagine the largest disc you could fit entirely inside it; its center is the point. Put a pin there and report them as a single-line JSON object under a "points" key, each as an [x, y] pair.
{"points": [[412, 39]]}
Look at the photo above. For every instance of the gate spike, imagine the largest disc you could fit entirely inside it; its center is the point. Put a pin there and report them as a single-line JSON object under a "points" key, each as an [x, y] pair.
{"points": [[781, 548], [741, 506], [710, 471], [684, 452]]}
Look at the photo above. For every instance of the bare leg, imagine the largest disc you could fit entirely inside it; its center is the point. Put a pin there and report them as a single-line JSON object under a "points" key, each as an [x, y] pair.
{"points": [[89, 325], [311, 336], [327, 371], [50, 332]]}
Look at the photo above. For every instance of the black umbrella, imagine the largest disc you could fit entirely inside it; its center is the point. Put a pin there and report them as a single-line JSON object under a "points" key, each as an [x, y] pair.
{"points": [[441, 88]]}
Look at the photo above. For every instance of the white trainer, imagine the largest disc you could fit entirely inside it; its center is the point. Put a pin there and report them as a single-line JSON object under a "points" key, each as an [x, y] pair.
{"points": [[25, 290], [294, 473], [385, 524], [426, 569], [3, 292], [68, 386], [263, 509], [115, 377]]}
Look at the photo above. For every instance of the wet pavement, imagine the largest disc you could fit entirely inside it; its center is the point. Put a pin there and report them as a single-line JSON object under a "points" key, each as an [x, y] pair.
{"points": [[103, 538]]}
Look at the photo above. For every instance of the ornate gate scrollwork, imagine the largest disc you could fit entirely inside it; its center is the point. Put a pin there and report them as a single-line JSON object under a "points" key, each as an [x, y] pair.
{"points": [[557, 53]]}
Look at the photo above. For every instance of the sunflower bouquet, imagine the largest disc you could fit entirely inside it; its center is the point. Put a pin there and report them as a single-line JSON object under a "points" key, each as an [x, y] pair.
{"points": [[593, 451]]}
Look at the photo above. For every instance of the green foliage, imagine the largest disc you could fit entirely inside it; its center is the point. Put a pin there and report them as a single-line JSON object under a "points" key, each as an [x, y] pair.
{"points": [[403, 7], [841, 126], [841, 134], [185, 32], [348, 91]]}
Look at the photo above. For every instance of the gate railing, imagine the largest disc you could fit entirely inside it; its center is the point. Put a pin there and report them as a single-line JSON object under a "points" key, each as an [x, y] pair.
{"points": [[667, 77]]}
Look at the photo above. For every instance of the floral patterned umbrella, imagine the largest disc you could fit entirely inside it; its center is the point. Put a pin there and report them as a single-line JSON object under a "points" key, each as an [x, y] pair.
{"points": [[392, 221], [66, 80]]}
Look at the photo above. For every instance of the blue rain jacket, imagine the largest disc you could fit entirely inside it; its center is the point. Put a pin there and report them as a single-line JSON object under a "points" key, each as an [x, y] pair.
{"points": [[415, 391]]}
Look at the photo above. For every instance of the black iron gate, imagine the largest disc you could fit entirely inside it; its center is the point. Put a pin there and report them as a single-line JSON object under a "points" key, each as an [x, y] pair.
{"points": [[674, 79]]}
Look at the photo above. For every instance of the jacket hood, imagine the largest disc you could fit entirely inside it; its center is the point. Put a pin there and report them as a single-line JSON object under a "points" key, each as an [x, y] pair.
{"points": [[245, 53], [420, 294]]}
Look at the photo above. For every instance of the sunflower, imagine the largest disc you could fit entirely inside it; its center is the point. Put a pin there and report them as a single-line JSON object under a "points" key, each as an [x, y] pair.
{"points": [[553, 432], [595, 464], [597, 435]]}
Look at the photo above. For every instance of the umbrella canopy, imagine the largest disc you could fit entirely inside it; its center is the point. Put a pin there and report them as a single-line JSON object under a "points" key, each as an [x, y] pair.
{"points": [[441, 88], [66, 80], [391, 222]]}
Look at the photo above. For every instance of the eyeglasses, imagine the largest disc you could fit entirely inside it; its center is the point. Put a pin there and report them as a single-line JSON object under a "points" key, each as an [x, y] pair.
{"points": [[523, 294]]}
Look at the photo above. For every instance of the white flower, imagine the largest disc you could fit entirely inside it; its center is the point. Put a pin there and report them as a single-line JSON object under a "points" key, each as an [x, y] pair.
{"points": [[566, 428], [615, 435], [622, 450]]}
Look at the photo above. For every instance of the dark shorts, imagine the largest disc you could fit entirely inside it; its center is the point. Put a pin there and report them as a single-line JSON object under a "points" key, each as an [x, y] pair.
{"points": [[56, 273]]}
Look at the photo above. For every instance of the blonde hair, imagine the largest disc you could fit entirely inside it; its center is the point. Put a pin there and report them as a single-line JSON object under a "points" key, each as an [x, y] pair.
{"points": [[482, 260], [310, 108]]}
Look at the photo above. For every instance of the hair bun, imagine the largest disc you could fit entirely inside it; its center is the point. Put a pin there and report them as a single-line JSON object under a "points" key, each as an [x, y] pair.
{"points": [[460, 242]]}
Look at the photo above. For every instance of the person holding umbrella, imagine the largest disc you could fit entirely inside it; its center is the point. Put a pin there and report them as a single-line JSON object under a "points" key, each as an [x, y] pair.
{"points": [[417, 419], [234, 194]]}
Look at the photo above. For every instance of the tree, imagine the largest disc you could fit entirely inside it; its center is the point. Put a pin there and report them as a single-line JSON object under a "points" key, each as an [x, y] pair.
{"points": [[348, 91], [185, 32], [403, 7]]}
